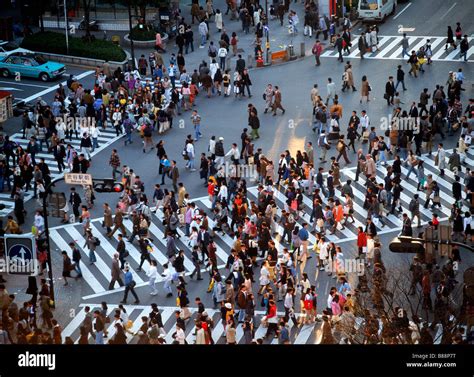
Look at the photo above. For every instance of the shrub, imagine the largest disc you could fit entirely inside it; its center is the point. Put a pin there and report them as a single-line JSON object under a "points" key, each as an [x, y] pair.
{"points": [[145, 34], [55, 43]]}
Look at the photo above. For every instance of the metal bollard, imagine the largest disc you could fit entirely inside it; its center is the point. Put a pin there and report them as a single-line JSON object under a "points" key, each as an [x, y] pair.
{"points": [[250, 61], [302, 49], [291, 52]]}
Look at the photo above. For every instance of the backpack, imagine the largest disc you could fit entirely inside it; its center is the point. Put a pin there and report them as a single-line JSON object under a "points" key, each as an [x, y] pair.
{"points": [[412, 206], [324, 117]]}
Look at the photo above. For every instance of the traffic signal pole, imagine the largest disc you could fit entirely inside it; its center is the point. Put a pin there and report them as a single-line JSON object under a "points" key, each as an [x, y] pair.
{"points": [[48, 244], [409, 240]]}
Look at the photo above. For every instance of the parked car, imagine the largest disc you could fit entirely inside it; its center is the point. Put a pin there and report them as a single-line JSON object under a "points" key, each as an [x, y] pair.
{"points": [[30, 65]]}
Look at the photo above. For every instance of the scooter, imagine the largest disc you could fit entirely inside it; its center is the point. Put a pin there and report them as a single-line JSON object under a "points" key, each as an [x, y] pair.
{"points": [[93, 25]]}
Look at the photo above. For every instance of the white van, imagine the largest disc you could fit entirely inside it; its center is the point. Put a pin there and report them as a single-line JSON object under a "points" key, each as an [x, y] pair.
{"points": [[376, 10]]}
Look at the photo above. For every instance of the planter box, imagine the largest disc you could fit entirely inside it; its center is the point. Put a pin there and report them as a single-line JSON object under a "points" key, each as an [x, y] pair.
{"points": [[77, 60], [145, 44]]}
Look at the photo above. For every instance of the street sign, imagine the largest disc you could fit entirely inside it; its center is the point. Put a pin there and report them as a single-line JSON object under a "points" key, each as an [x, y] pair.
{"points": [[20, 251], [78, 179]]}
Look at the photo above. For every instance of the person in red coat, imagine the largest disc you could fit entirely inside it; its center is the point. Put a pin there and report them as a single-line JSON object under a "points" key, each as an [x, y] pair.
{"points": [[361, 241]]}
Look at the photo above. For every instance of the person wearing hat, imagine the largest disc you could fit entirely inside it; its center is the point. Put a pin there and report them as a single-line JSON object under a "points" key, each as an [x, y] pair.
{"points": [[129, 285]]}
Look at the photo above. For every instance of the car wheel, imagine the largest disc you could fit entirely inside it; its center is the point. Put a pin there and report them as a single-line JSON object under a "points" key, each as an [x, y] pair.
{"points": [[44, 76], [5, 73]]}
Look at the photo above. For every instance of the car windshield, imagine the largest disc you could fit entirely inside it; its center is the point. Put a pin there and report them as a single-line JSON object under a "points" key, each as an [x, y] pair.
{"points": [[369, 5]]}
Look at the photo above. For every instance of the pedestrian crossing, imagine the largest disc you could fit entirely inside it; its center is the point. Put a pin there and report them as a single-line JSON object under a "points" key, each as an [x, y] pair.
{"points": [[106, 138], [97, 276], [390, 49], [301, 333]]}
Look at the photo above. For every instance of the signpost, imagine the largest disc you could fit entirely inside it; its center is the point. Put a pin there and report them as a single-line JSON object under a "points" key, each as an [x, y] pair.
{"points": [[20, 252], [78, 179]]}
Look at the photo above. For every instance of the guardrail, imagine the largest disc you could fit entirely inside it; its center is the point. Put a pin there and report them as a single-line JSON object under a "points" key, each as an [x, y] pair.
{"points": [[88, 62]]}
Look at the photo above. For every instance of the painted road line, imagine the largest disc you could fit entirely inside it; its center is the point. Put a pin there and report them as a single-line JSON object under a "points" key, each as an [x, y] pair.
{"points": [[449, 10], [50, 89], [88, 276], [403, 10]]}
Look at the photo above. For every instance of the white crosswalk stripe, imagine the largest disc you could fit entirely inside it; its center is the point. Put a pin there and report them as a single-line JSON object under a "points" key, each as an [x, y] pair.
{"points": [[301, 334], [108, 136], [97, 276], [390, 48]]}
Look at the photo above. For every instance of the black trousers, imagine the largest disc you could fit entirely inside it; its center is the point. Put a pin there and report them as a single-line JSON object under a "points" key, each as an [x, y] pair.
{"points": [[197, 270], [128, 288], [272, 328]]}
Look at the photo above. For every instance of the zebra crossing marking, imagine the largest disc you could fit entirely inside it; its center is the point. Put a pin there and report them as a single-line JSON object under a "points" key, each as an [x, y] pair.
{"points": [[390, 49], [106, 250], [104, 142]]}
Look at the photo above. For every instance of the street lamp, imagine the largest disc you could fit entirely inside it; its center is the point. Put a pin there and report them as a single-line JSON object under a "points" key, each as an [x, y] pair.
{"points": [[267, 33]]}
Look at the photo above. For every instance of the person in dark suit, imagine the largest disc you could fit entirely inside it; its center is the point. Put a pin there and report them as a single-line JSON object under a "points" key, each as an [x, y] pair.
{"points": [[370, 228], [406, 228], [240, 64], [118, 223], [75, 201], [115, 272], [389, 91], [174, 175], [121, 250], [59, 153], [203, 239]]}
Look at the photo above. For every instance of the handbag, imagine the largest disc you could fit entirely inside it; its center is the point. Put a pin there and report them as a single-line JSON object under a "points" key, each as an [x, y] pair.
{"points": [[132, 284], [264, 96], [320, 223]]}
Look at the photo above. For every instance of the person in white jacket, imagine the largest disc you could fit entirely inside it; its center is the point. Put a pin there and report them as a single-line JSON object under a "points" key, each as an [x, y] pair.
{"points": [[95, 133], [234, 153], [222, 54], [218, 20], [153, 276], [331, 89], [203, 30], [179, 336], [223, 193], [169, 274], [213, 67]]}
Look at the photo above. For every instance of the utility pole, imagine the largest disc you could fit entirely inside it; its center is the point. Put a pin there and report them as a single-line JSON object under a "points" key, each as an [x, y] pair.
{"points": [[130, 34], [48, 244], [66, 25]]}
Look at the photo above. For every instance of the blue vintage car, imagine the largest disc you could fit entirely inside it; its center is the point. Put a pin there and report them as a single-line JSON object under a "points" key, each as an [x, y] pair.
{"points": [[30, 65]]}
